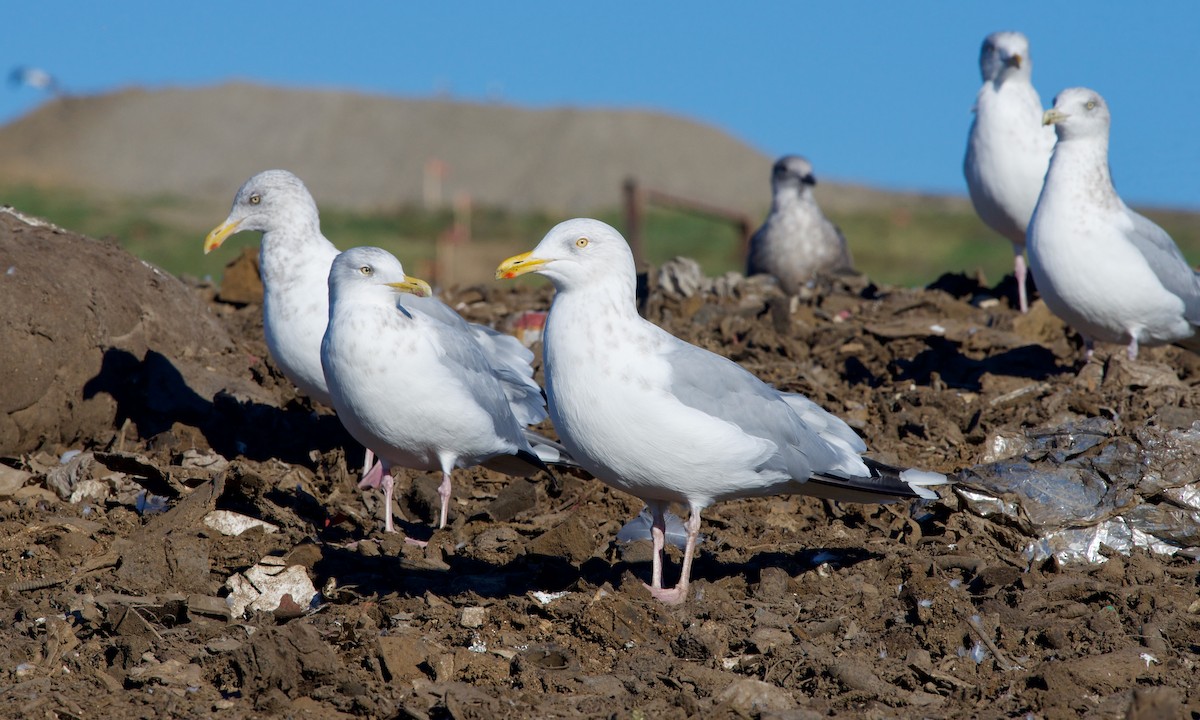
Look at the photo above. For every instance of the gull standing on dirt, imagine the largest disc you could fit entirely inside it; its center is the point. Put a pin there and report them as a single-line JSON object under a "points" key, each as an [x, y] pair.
{"points": [[796, 242], [1109, 272], [667, 421], [294, 261], [413, 382], [1008, 149]]}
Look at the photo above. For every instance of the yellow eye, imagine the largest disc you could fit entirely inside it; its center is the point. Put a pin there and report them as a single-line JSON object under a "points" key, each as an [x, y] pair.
{"points": [[366, 270], [581, 242], [255, 199], [1091, 105]]}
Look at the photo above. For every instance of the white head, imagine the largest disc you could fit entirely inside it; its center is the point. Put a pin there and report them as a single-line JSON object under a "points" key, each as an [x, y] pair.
{"points": [[792, 172], [1004, 55], [1079, 113], [371, 273], [268, 201], [576, 254]]}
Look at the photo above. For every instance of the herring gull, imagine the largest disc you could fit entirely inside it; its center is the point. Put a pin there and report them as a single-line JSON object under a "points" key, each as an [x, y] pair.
{"points": [[667, 421], [796, 241], [294, 260], [1110, 273], [413, 383], [1008, 149]]}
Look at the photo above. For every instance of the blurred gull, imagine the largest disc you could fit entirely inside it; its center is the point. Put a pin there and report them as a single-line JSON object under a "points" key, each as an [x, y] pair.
{"points": [[413, 382], [1109, 272], [33, 77], [796, 241], [1008, 148], [294, 261], [669, 422]]}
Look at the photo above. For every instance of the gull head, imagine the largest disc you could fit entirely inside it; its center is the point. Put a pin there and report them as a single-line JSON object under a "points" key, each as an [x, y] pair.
{"points": [[792, 172], [371, 272], [265, 202], [1078, 113], [1004, 54], [576, 253]]}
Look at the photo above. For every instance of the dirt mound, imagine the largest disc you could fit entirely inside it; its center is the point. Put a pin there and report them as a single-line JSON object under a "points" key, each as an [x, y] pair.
{"points": [[118, 581], [84, 324], [366, 152]]}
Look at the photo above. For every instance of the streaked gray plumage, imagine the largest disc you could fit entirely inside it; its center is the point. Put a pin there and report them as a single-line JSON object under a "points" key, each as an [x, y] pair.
{"points": [[667, 421], [796, 241], [1110, 273]]}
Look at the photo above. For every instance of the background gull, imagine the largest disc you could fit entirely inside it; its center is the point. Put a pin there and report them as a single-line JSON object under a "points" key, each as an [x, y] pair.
{"points": [[667, 421], [1008, 149], [294, 260], [415, 386], [796, 241], [1109, 272]]}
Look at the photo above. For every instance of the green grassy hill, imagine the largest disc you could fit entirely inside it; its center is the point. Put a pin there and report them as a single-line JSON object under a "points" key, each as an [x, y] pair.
{"points": [[908, 242]]}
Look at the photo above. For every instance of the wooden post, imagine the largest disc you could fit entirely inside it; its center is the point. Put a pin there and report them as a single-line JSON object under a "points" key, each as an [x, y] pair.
{"points": [[633, 219]]}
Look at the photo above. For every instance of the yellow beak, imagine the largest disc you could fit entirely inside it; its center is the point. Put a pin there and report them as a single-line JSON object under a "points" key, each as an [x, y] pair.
{"points": [[1053, 117], [518, 265], [412, 286], [219, 234]]}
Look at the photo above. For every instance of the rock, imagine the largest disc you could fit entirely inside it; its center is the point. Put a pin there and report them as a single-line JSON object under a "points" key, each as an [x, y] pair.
{"points": [[12, 480], [473, 617], [241, 284], [569, 539], [751, 697], [402, 655]]}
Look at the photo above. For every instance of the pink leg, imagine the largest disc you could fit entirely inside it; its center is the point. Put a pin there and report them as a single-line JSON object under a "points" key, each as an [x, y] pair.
{"points": [[1020, 272], [387, 483], [444, 494], [1132, 350], [371, 478], [658, 536], [368, 462], [678, 594]]}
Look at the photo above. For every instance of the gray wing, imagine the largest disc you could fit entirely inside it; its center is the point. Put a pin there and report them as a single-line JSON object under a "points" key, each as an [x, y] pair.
{"points": [[756, 261], [722, 388], [510, 361], [1167, 262], [466, 361], [513, 364]]}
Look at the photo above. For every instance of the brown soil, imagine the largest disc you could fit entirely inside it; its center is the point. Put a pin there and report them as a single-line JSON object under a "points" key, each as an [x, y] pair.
{"points": [[800, 608]]}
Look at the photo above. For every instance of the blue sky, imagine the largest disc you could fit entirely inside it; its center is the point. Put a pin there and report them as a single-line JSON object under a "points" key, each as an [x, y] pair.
{"points": [[878, 93]]}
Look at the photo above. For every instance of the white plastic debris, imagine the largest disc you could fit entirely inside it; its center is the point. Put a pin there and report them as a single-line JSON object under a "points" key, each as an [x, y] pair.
{"points": [[638, 528], [1079, 488], [264, 586], [545, 598], [233, 524]]}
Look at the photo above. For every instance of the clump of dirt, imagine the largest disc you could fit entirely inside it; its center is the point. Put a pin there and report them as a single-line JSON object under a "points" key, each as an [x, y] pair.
{"points": [[115, 584]]}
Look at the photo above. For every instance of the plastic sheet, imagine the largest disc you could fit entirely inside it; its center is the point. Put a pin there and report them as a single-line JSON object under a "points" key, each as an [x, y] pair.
{"points": [[1082, 487]]}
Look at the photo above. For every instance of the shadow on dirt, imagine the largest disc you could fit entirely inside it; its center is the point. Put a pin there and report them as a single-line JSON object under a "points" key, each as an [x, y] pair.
{"points": [[153, 395], [945, 358]]}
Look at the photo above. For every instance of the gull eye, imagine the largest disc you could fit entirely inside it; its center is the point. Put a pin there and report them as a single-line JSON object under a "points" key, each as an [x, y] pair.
{"points": [[581, 243], [255, 199], [366, 270], [1091, 104]]}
